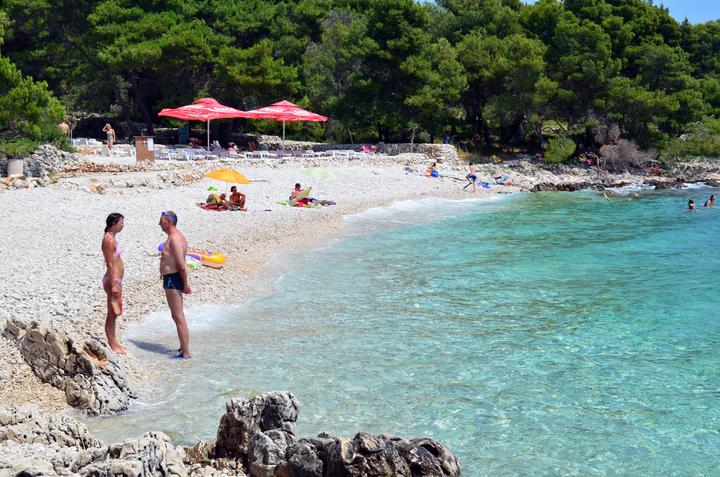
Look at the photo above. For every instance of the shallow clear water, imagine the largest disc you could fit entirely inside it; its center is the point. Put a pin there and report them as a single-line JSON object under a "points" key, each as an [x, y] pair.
{"points": [[544, 334]]}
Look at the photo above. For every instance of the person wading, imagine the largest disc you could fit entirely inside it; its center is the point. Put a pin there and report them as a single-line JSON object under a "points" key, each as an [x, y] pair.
{"points": [[175, 278]]}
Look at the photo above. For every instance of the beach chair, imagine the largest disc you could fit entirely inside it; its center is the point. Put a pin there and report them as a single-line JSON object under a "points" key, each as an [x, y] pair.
{"points": [[183, 155], [120, 150], [221, 153], [208, 155]]}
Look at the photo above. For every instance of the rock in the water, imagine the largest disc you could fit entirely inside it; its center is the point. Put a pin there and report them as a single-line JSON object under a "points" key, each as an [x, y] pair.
{"points": [[367, 456], [266, 451], [89, 374], [256, 438], [266, 412]]}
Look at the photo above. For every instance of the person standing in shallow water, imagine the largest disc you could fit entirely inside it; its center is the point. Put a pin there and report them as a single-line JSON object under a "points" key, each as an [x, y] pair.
{"points": [[112, 281], [175, 277]]}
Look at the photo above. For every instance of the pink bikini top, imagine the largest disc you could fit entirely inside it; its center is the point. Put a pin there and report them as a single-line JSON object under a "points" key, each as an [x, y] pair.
{"points": [[118, 251]]}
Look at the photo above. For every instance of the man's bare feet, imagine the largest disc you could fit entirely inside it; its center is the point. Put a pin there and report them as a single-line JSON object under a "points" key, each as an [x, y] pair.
{"points": [[118, 349]]}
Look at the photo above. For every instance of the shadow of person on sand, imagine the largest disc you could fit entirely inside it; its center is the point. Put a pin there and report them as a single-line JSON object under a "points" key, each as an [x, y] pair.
{"points": [[152, 347]]}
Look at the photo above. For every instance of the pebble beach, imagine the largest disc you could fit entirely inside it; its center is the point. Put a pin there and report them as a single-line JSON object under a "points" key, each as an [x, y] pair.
{"points": [[53, 263], [52, 307]]}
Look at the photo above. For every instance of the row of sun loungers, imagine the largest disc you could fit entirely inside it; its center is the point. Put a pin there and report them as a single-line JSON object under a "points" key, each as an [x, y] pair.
{"points": [[97, 148], [93, 147], [200, 154]]}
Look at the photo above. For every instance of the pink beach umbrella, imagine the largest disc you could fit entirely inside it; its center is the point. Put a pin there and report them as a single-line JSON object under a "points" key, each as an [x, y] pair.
{"points": [[204, 109], [284, 111]]}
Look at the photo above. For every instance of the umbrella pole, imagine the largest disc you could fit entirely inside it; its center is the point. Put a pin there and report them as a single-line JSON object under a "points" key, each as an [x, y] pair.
{"points": [[208, 135], [283, 141]]}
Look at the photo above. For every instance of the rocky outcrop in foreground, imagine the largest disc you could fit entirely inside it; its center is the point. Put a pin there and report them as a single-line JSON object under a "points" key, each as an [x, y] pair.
{"points": [[88, 373], [256, 437]]}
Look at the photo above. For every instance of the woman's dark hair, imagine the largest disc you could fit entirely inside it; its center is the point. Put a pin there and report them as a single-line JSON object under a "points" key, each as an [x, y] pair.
{"points": [[112, 219], [297, 185]]}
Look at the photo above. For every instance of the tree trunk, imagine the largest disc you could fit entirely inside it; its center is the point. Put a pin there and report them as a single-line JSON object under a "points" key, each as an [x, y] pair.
{"points": [[140, 101]]}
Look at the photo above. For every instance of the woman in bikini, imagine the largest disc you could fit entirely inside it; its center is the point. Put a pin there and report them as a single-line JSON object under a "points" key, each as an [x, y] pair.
{"points": [[113, 278], [110, 132]]}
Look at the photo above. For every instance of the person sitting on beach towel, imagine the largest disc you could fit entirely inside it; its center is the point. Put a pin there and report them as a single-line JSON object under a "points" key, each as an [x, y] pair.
{"points": [[298, 192], [237, 199], [299, 197], [214, 202], [432, 170]]}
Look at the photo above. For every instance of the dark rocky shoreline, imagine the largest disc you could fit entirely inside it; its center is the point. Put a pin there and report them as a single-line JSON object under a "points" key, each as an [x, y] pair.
{"points": [[255, 437]]}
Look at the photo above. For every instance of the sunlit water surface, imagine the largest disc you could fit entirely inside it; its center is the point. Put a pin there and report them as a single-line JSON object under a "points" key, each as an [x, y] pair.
{"points": [[545, 334]]}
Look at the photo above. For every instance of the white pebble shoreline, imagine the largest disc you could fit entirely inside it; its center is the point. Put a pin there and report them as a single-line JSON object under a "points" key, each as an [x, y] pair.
{"points": [[51, 263]]}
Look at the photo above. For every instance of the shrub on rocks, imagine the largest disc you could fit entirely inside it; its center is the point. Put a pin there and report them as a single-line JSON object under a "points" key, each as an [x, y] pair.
{"points": [[624, 155], [560, 149]]}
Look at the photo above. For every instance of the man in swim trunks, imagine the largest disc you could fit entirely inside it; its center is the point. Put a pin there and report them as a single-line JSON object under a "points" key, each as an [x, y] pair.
{"points": [[471, 177], [237, 199], [175, 277]]}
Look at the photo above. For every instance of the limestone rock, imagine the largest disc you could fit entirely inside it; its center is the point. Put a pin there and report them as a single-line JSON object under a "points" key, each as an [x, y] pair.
{"points": [[88, 373], [265, 412], [266, 451], [33, 443], [27, 425], [367, 456], [150, 455], [5, 373], [48, 159], [256, 438]]}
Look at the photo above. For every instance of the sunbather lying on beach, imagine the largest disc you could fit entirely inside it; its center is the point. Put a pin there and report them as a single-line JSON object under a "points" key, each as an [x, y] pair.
{"points": [[214, 202]]}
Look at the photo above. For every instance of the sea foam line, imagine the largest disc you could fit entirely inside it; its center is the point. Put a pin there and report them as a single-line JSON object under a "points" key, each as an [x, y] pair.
{"points": [[422, 210]]}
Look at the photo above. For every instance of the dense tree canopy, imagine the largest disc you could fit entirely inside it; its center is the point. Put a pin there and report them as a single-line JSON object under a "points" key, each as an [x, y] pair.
{"points": [[383, 70], [29, 112]]}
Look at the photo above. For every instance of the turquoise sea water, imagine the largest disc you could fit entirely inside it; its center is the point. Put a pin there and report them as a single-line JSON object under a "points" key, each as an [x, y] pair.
{"points": [[544, 334]]}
